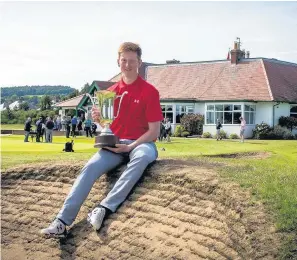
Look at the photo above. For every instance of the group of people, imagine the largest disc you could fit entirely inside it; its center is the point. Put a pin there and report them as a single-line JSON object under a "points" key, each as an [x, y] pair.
{"points": [[241, 130], [44, 127], [75, 126], [165, 130]]}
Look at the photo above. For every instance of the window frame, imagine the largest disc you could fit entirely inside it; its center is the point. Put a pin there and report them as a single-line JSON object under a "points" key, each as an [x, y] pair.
{"points": [[293, 113], [182, 107], [213, 108]]}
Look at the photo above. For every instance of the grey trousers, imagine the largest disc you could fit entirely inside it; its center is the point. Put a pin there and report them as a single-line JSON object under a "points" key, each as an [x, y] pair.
{"points": [[102, 162], [49, 135], [27, 133]]}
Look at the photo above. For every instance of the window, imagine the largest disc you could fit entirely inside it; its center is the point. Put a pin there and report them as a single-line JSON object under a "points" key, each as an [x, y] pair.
{"points": [[182, 110], [293, 111], [230, 113], [167, 112], [249, 114]]}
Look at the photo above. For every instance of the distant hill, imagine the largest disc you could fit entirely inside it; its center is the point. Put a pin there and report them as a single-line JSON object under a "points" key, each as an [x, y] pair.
{"points": [[36, 90]]}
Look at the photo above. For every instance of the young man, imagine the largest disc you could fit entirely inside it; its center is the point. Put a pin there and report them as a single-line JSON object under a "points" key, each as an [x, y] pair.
{"points": [[137, 126], [242, 128]]}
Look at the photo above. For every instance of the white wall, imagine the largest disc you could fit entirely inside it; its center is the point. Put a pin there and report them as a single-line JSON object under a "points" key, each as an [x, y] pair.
{"points": [[230, 129], [282, 109], [264, 113]]}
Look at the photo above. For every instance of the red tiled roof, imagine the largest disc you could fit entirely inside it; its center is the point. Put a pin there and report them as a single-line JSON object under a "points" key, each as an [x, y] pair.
{"points": [[72, 102], [220, 80], [282, 78], [103, 84]]}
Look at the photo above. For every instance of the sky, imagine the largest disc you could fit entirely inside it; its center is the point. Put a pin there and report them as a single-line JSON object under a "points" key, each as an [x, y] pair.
{"points": [[74, 43]]}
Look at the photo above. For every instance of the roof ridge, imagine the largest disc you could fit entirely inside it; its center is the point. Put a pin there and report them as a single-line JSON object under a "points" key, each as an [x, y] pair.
{"points": [[280, 61], [267, 80], [70, 98]]}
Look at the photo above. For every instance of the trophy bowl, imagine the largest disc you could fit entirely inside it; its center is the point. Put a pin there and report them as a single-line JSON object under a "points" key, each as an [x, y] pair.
{"points": [[105, 100]]}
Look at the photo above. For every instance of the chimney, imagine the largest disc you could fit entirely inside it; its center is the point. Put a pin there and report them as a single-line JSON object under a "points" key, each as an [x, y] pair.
{"points": [[247, 54], [236, 53], [174, 61]]}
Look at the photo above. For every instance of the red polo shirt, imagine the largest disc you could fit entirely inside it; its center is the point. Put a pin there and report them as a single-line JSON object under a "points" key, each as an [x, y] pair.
{"points": [[139, 106]]}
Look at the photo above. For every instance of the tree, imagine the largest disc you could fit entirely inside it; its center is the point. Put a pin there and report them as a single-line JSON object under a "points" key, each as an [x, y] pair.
{"points": [[73, 94], [45, 103], [24, 106], [10, 114], [85, 89], [193, 123]]}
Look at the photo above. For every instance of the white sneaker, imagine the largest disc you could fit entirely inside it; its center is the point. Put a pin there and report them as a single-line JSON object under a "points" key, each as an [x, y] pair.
{"points": [[56, 228], [95, 218]]}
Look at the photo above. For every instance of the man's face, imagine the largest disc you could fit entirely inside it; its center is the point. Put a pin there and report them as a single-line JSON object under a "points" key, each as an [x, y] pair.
{"points": [[129, 63]]}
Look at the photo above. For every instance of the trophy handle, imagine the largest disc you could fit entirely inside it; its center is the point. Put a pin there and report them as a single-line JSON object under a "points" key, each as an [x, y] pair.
{"points": [[126, 92], [92, 99]]}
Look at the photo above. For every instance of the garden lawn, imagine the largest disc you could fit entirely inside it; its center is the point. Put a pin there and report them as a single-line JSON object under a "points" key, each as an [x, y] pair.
{"points": [[271, 178]]}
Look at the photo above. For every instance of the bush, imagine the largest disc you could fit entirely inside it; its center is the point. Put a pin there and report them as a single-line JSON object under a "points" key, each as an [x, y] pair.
{"points": [[193, 123], [223, 134], [287, 121], [185, 134], [280, 132], [262, 131], [179, 130], [206, 135], [233, 136]]}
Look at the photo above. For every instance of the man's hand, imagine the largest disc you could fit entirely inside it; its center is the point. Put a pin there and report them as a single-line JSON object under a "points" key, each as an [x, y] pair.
{"points": [[120, 148], [96, 114]]}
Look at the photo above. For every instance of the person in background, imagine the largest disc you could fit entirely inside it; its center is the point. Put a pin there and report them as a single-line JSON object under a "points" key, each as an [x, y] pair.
{"points": [[49, 130], [162, 132], [94, 128], [218, 127], [168, 129], [27, 129], [59, 124], [79, 126], [68, 126], [39, 129], [63, 123], [88, 124], [137, 129], [73, 126], [242, 128]]}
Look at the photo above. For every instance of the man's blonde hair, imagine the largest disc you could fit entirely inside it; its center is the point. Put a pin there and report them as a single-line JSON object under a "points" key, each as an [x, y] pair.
{"points": [[130, 46]]}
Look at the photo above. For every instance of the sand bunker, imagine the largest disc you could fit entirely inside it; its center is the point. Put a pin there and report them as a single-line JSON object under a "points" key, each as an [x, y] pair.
{"points": [[179, 210]]}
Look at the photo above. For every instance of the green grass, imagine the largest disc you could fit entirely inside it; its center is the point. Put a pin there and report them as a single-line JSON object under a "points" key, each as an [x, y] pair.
{"points": [[272, 180], [12, 126]]}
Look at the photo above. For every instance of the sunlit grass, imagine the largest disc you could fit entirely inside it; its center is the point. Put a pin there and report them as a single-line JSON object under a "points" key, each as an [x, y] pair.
{"points": [[12, 126]]}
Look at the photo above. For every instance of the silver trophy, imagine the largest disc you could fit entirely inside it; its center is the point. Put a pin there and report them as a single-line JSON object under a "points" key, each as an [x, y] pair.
{"points": [[104, 99]]}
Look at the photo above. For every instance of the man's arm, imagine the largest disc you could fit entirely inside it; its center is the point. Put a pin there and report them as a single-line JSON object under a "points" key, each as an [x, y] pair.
{"points": [[150, 135]]}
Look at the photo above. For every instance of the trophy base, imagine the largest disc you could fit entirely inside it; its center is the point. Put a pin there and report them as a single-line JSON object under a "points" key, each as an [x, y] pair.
{"points": [[106, 141]]}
